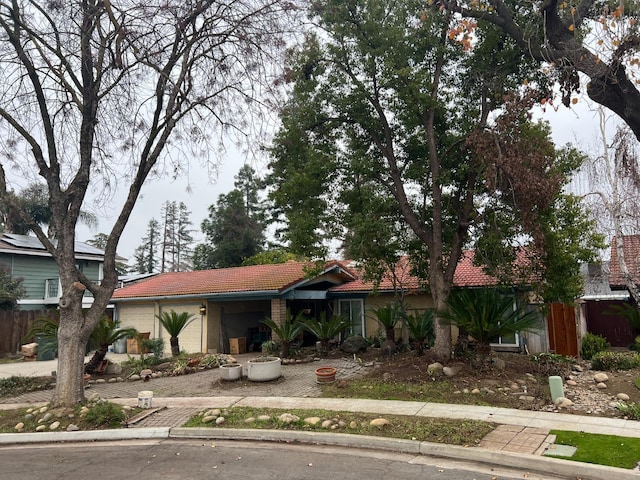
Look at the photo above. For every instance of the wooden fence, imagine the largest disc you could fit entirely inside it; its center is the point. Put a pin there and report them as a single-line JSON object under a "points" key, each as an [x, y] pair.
{"points": [[14, 325]]}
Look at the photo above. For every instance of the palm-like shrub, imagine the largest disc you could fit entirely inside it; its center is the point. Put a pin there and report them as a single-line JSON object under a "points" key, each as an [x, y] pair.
{"points": [[287, 332], [46, 330], [174, 323], [420, 327], [106, 332], [325, 329], [388, 317], [486, 314]]}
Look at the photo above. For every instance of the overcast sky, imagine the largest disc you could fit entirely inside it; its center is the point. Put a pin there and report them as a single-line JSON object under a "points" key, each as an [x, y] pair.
{"points": [[578, 125]]}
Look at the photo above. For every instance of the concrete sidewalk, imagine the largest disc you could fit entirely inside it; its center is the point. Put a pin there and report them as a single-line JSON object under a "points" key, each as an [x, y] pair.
{"points": [[519, 440], [173, 412]]}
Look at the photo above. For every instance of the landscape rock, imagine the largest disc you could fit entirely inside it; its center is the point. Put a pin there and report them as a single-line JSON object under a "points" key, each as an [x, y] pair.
{"points": [[623, 396], [264, 418], [54, 425], [577, 368], [435, 368], [562, 402], [379, 422], [41, 428], [601, 386], [327, 424], [72, 428], [220, 420], [288, 418], [572, 383], [354, 344], [312, 420], [498, 363], [600, 377], [452, 371], [19, 426]]}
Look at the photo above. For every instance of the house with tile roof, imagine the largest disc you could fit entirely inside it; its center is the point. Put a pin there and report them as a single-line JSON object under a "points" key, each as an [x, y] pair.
{"points": [[605, 287], [229, 303]]}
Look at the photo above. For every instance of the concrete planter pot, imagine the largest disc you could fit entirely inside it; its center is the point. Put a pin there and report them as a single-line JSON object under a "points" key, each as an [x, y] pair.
{"points": [[263, 369], [230, 371]]}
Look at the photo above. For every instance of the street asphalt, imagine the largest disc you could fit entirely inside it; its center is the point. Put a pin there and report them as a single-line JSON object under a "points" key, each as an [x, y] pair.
{"points": [[176, 399]]}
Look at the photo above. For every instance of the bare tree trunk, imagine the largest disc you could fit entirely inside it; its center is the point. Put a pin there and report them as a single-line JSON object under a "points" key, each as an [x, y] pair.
{"points": [[71, 348]]}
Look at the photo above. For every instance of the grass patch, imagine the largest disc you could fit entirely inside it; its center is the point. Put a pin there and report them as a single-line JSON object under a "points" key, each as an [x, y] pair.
{"points": [[453, 432], [440, 391], [17, 385], [637, 382], [610, 450], [92, 416]]}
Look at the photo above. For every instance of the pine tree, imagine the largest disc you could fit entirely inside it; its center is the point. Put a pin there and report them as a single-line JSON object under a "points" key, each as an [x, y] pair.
{"points": [[145, 255]]}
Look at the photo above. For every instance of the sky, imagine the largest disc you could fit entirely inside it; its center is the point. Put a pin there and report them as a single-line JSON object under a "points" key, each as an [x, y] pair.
{"points": [[200, 189]]}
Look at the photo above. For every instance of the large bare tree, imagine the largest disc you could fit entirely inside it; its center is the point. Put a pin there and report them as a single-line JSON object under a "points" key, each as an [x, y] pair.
{"points": [[94, 94]]}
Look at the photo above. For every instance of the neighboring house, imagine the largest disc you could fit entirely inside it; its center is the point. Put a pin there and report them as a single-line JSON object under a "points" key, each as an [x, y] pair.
{"points": [[26, 258], [230, 302], [604, 288]]}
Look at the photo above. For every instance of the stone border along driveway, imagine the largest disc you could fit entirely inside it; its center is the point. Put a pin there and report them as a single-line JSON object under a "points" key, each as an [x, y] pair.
{"points": [[298, 380]]}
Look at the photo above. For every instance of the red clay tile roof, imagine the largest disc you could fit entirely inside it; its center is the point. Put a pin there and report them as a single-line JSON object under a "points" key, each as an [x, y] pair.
{"points": [[256, 278], [631, 246], [466, 275]]}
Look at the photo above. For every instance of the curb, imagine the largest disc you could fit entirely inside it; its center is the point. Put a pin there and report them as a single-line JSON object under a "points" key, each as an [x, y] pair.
{"points": [[85, 436], [532, 463]]}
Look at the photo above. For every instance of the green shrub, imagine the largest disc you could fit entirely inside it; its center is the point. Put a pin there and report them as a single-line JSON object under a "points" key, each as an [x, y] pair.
{"points": [[636, 344], [593, 344], [615, 361], [630, 410], [551, 364], [155, 346], [105, 414]]}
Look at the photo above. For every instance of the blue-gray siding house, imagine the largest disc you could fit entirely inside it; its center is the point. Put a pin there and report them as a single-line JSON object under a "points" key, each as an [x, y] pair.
{"points": [[26, 258]]}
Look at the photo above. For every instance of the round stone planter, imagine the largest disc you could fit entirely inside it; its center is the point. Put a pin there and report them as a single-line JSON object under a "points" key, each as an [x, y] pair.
{"points": [[325, 375], [230, 371], [263, 369]]}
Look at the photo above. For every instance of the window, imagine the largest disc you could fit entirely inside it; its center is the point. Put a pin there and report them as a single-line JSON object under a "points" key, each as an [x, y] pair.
{"points": [[354, 311]]}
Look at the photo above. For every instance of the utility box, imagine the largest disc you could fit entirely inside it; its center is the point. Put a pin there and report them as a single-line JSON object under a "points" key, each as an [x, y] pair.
{"points": [[238, 345]]}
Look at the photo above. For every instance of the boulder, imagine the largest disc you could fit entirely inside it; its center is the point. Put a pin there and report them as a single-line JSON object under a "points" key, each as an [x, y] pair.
{"points": [[435, 368], [562, 402], [379, 422], [354, 344], [600, 377], [498, 363], [452, 371]]}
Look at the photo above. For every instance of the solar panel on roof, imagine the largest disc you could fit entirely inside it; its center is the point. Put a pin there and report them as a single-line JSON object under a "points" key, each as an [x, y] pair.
{"points": [[28, 241]]}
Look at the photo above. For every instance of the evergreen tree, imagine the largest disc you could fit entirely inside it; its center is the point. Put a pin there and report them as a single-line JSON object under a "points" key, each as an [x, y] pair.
{"points": [[145, 256], [177, 238], [235, 228], [99, 240]]}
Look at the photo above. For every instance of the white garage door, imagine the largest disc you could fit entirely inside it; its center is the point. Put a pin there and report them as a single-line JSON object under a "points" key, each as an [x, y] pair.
{"points": [[140, 317]]}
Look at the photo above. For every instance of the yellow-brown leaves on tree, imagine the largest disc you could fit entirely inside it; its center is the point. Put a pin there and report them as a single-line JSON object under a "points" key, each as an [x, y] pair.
{"points": [[572, 27], [574, 100]]}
